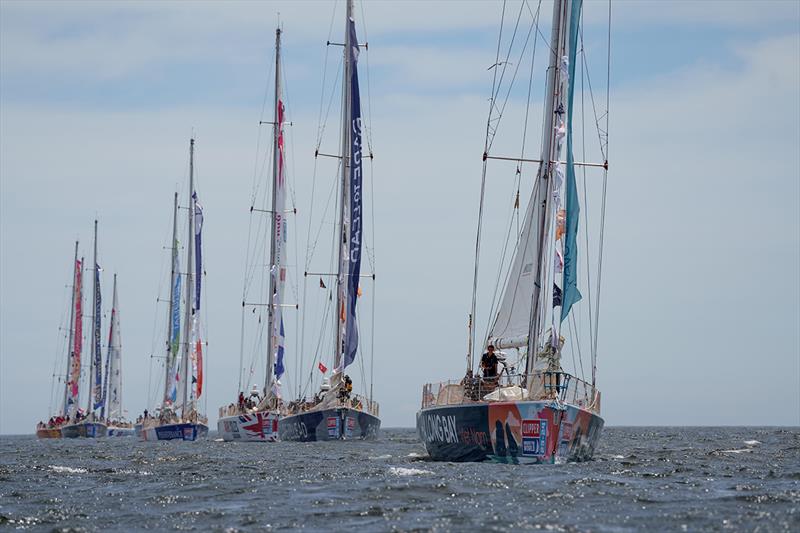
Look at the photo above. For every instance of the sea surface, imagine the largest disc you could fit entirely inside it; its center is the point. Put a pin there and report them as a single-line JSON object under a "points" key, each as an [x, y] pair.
{"points": [[660, 478]]}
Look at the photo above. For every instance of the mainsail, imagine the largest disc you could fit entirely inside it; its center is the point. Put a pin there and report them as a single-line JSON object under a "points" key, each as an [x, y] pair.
{"points": [[510, 329]]}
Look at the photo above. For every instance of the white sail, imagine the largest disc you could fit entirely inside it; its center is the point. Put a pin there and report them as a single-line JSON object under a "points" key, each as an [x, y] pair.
{"points": [[114, 362], [510, 329]]}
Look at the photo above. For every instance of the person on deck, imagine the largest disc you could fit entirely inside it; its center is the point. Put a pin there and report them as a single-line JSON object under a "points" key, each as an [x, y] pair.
{"points": [[489, 363]]}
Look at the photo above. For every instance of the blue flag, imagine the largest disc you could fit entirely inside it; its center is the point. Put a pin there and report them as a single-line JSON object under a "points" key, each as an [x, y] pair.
{"points": [[356, 193], [571, 293]]}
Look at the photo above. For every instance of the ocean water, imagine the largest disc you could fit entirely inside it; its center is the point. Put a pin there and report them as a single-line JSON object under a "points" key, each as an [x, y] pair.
{"points": [[680, 479]]}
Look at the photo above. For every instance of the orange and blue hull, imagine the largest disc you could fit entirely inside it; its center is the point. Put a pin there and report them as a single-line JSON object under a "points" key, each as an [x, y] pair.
{"points": [[509, 432]]}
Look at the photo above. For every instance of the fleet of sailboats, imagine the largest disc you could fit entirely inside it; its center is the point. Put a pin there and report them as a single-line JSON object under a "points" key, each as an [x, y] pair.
{"points": [[537, 414]]}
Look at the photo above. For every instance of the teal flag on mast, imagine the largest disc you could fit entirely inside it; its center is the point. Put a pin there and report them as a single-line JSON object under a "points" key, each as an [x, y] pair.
{"points": [[571, 294]]}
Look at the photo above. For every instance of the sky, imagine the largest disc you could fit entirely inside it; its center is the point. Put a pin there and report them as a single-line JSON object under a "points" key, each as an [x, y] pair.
{"points": [[700, 300]]}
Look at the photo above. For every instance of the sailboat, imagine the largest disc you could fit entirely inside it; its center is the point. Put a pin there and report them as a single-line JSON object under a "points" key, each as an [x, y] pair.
{"points": [[52, 429], [118, 425], [255, 418], [336, 413], [183, 369], [88, 423], [542, 414]]}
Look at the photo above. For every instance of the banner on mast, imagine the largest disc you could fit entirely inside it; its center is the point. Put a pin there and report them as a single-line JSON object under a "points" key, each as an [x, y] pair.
{"points": [[98, 356], [355, 205], [570, 284]]}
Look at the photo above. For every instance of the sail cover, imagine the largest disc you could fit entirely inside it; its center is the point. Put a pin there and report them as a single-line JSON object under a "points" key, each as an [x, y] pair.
{"points": [[356, 193], [97, 387], [511, 325]]}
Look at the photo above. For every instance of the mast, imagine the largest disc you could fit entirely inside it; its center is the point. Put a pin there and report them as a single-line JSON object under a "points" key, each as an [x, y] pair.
{"points": [[341, 287], [71, 330], [118, 364], [539, 306], [276, 217], [170, 356], [95, 325], [187, 334]]}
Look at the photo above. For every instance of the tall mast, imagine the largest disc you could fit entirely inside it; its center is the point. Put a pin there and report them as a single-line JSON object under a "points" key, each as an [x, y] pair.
{"points": [[545, 174], [95, 318], [171, 356], [187, 333], [341, 287], [118, 365], [70, 346], [276, 128]]}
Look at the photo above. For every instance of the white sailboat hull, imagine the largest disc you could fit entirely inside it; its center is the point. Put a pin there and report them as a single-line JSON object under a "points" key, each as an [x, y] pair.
{"points": [[261, 426]]}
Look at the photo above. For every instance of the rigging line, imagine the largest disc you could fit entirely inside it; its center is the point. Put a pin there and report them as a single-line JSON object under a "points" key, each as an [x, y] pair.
{"points": [[539, 30], [369, 92], [585, 193], [323, 125], [603, 207], [530, 88], [597, 118], [312, 247], [495, 300], [472, 321], [496, 88], [513, 78], [324, 76], [574, 335]]}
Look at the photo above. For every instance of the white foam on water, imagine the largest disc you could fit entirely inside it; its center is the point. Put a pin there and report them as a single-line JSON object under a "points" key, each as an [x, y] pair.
{"points": [[400, 471], [751, 443], [743, 450], [136, 472], [415, 454], [67, 469], [380, 457]]}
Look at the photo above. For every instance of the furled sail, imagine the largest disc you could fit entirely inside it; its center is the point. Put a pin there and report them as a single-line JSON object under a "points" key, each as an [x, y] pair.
{"points": [[278, 269], [510, 329], [73, 386], [174, 358], [97, 386], [114, 367], [355, 204]]}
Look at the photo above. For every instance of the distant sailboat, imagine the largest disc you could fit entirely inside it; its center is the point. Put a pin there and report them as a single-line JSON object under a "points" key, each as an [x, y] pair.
{"points": [[336, 413], [88, 423], [255, 418], [179, 417], [118, 425], [52, 429], [542, 414]]}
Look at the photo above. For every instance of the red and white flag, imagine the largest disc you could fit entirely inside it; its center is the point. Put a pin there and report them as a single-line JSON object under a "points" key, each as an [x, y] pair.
{"points": [[322, 368]]}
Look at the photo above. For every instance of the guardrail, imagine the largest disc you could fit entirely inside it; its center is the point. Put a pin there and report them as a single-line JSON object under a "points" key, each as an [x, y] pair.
{"points": [[513, 387], [355, 401]]}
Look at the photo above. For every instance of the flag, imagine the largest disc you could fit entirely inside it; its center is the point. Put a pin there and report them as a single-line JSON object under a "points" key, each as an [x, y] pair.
{"points": [[557, 296], [322, 284], [322, 368], [355, 205]]}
